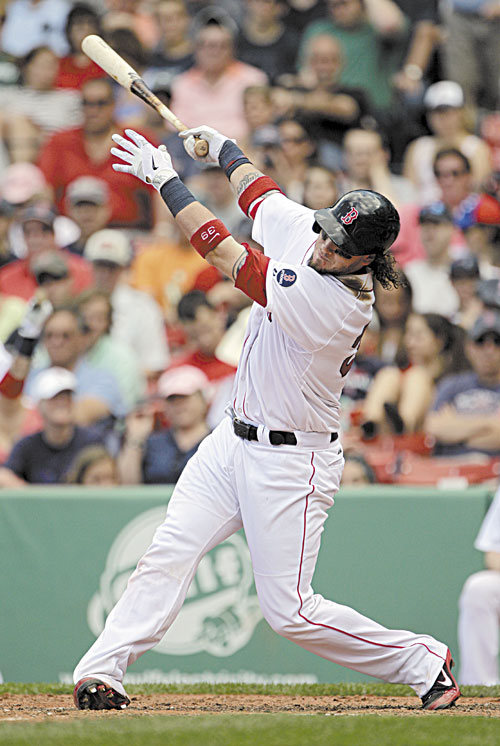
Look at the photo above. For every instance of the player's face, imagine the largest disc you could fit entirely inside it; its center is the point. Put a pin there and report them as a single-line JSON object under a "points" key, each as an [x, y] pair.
{"points": [[329, 259]]}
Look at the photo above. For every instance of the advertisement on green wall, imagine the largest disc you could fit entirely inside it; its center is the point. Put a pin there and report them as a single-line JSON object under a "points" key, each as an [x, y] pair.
{"points": [[400, 556]]}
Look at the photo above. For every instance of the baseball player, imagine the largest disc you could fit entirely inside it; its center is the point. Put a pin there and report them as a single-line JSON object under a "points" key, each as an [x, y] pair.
{"points": [[479, 608], [273, 465]]}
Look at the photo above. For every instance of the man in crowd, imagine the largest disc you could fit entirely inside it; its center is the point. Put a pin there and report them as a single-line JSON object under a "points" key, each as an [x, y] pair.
{"points": [[17, 277], [88, 204], [97, 393], [429, 278], [45, 456], [213, 88], [84, 151], [205, 326], [274, 464]]}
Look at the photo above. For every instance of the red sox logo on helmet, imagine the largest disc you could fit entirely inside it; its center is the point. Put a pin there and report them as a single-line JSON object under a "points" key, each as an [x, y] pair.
{"points": [[350, 217]]}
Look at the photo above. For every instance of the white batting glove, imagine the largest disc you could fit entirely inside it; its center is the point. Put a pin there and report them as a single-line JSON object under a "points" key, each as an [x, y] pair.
{"points": [[148, 163], [215, 142], [38, 311]]}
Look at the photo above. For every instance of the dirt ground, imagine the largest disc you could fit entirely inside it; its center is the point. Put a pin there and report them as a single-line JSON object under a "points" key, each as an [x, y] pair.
{"points": [[60, 707]]}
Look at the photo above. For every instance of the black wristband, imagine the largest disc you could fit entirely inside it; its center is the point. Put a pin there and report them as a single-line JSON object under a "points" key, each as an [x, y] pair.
{"points": [[25, 345], [230, 157], [176, 195]]}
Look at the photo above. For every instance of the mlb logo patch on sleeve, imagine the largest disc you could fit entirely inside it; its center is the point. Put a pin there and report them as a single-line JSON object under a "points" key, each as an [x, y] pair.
{"points": [[285, 277]]}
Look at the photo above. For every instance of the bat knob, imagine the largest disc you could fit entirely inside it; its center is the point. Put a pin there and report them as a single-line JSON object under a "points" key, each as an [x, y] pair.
{"points": [[201, 148]]}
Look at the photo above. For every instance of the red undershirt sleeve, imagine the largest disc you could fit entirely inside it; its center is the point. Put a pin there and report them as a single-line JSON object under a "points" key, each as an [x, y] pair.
{"points": [[251, 278]]}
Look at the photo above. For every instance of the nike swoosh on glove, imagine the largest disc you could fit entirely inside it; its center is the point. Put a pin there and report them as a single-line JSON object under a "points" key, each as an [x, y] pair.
{"points": [[142, 159]]}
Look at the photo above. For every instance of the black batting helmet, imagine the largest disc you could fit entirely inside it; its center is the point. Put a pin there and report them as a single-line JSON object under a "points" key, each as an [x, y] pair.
{"points": [[361, 222]]}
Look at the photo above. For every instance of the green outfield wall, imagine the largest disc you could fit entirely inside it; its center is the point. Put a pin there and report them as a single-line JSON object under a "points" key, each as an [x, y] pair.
{"points": [[399, 555]]}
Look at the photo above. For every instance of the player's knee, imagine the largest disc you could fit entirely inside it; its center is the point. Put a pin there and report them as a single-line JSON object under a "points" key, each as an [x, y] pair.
{"points": [[478, 589], [284, 621]]}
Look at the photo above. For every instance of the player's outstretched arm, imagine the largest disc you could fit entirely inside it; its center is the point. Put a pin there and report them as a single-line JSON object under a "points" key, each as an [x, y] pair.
{"points": [[208, 235], [250, 184]]}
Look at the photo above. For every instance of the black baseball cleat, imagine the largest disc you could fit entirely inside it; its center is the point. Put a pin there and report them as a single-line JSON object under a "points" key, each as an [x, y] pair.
{"points": [[444, 692], [94, 694]]}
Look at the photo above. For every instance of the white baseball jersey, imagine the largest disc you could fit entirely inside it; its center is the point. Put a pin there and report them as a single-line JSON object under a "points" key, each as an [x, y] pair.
{"points": [[297, 350]]}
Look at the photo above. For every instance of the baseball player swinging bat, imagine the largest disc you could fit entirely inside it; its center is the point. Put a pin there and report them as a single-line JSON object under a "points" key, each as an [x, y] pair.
{"points": [[103, 55]]}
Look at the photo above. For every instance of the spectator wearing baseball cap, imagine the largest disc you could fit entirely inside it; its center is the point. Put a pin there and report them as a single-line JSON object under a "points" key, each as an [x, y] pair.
{"points": [[88, 204], [465, 277], [444, 105], [429, 277], [137, 318], [465, 416], [37, 224], [45, 456], [52, 274], [480, 221], [22, 183], [159, 457]]}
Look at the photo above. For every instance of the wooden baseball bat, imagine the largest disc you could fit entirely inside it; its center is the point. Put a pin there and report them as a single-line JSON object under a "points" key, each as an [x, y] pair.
{"points": [[116, 67]]}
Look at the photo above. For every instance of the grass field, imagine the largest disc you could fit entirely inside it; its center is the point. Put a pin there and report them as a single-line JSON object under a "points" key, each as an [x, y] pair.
{"points": [[268, 730], [136, 728]]}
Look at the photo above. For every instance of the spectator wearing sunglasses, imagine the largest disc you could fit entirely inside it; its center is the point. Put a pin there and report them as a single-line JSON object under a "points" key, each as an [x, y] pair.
{"points": [[84, 151], [465, 416]]}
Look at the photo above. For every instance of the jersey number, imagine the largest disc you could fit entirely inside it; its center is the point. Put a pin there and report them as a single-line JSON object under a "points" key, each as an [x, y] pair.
{"points": [[347, 364]]}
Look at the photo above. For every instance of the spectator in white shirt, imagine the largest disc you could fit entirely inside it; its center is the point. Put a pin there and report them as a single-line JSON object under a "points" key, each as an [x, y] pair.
{"points": [[137, 318], [429, 278]]}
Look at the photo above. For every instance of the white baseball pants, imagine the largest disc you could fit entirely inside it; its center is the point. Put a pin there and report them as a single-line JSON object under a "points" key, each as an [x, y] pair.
{"points": [[280, 495], [479, 629]]}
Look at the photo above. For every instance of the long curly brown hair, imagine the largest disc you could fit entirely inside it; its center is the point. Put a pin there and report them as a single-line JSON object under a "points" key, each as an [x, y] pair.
{"points": [[385, 270]]}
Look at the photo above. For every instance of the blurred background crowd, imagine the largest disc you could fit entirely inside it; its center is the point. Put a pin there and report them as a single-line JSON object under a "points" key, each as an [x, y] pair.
{"points": [[119, 343]]}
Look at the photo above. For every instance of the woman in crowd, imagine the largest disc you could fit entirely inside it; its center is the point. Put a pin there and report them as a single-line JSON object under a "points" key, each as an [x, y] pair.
{"points": [[399, 400], [75, 68]]}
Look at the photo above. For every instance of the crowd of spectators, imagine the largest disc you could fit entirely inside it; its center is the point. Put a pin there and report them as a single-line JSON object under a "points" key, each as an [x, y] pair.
{"points": [[134, 361]]}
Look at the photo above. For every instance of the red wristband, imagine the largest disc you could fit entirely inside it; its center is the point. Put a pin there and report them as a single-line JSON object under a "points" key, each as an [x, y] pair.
{"points": [[11, 387], [255, 190], [209, 236]]}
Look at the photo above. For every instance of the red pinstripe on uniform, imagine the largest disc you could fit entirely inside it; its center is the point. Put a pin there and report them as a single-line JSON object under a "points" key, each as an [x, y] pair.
{"points": [[328, 626]]}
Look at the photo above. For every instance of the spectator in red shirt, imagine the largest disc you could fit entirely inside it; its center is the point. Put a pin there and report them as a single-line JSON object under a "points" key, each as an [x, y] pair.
{"points": [[76, 68], [205, 326], [18, 277], [85, 151]]}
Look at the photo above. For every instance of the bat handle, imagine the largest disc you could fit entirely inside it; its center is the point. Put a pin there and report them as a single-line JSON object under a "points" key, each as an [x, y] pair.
{"points": [[200, 147]]}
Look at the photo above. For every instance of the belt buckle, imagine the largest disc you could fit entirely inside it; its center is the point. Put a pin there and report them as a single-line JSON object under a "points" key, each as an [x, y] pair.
{"points": [[241, 429]]}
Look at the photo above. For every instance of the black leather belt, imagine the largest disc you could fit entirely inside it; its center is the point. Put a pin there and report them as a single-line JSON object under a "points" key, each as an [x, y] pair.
{"points": [[276, 437]]}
